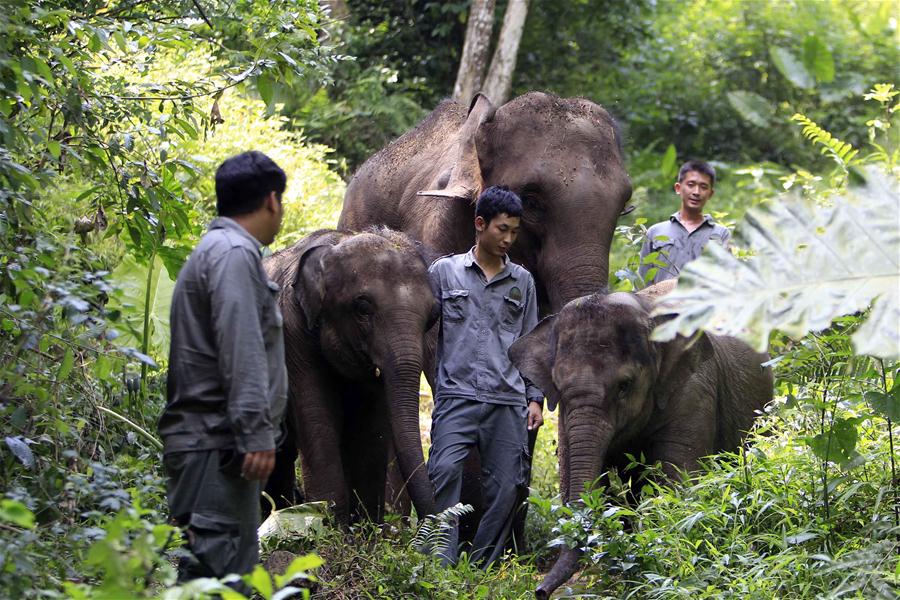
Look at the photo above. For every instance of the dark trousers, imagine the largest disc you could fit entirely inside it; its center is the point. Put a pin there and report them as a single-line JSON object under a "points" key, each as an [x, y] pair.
{"points": [[499, 431], [218, 508]]}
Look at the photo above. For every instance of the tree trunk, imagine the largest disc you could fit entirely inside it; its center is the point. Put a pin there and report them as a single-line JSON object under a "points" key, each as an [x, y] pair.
{"points": [[499, 79], [475, 50]]}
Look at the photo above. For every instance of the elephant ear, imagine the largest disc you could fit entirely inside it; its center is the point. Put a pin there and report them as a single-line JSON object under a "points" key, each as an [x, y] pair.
{"points": [[464, 180], [309, 282], [534, 354]]}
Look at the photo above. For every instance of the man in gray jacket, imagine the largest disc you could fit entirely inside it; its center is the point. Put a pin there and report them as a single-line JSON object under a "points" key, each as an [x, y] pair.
{"points": [[671, 244], [487, 303], [227, 382]]}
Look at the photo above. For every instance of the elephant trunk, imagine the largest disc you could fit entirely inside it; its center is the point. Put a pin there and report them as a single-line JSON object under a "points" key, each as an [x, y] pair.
{"points": [[586, 271], [402, 376], [587, 439]]}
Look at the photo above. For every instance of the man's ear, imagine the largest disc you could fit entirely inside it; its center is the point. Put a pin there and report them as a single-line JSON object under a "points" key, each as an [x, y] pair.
{"points": [[677, 187], [309, 282], [534, 355], [480, 224]]}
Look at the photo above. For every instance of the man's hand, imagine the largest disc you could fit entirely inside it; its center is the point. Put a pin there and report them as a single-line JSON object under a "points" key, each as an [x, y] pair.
{"points": [[535, 415], [258, 465]]}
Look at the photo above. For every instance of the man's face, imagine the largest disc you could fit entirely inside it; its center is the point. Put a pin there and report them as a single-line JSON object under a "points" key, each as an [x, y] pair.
{"points": [[275, 214], [496, 237], [695, 189]]}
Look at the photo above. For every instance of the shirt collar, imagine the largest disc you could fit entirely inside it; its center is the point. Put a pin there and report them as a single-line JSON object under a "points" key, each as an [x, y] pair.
{"points": [[469, 261], [232, 225], [676, 216]]}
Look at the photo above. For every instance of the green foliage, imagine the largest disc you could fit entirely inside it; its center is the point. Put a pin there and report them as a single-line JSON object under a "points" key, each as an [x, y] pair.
{"points": [[813, 259], [383, 562], [106, 114]]}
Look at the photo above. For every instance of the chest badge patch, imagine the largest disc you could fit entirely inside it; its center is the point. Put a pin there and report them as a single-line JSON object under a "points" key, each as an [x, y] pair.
{"points": [[515, 294]]}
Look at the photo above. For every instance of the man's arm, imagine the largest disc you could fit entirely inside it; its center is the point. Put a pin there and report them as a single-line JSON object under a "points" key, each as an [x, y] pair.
{"points": [[533, 394], [726, 237], [243, 365]]}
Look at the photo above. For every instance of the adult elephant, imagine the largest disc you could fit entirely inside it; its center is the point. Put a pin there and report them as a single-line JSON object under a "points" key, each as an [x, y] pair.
{"points": [[561, 155], [675, 401], [356, 309]]}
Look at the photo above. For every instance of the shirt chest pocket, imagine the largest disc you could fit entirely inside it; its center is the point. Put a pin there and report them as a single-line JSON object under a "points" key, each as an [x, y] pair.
{"points": [[454, 304], [511, 314], [662, 246]]}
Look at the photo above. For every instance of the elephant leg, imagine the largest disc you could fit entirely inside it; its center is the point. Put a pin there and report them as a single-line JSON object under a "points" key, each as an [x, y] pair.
{"points": [[320, 437], [368, 434]]}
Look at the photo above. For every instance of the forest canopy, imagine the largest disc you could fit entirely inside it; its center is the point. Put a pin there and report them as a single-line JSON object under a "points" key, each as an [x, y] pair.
{"points": [[115, 113]]}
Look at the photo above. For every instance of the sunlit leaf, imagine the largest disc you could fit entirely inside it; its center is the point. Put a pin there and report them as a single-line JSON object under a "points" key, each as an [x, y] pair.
{"points": [[789, 66], [13, 511], [752, 107], [813, 263], [65, 367], [817, 59], [838, 443]]}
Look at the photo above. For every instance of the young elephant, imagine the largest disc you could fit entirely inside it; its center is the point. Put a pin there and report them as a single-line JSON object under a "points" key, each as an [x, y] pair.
{"points": [[356, 308], [620, 393]]}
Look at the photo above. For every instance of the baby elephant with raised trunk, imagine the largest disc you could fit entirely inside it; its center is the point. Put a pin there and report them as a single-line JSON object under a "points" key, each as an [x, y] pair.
{"points": [[356, 308], [620, 392]]}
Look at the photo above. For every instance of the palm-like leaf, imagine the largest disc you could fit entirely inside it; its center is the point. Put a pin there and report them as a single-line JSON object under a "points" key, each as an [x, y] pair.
{"points": [[812, 263]]}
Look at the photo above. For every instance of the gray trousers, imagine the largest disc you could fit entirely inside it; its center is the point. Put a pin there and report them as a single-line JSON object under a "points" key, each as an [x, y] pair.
{"points": [[218, 508], [499, 431]]}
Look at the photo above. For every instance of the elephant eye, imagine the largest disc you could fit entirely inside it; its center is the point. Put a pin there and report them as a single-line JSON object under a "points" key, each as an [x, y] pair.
{"points": [[624, 388], [363, 306]]}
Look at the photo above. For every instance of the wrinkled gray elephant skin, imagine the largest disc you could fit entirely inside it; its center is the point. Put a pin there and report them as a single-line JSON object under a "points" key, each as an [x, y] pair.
{"points": [[619, 392], [563, 157], [356, 310]]}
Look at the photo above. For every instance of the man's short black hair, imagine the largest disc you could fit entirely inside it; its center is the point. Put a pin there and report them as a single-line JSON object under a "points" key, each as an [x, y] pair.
{"points": [[700, 167], [496, 200], [244, 181]]}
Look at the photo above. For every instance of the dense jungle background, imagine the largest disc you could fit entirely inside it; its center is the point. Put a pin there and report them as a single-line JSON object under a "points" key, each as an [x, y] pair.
{"points": [[115, 113]]}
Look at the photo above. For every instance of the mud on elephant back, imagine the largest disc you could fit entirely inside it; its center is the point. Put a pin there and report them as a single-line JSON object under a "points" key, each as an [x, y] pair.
{"points": [[356, 308], [562, 156], [621, 393]]}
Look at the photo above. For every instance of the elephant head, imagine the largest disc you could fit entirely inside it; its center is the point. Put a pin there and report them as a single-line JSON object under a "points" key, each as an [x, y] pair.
{"points": [[369, 301], [563, 157], [596, 361]]}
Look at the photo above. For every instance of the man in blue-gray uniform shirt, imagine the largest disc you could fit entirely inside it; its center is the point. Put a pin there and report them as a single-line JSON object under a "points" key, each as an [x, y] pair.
{"points": [[227, 382], [487, 302], [682, 238]]}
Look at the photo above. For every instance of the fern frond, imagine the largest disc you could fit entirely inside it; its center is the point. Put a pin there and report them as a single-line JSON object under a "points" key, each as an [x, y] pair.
{"points": [[842, 152], [434, 530]]}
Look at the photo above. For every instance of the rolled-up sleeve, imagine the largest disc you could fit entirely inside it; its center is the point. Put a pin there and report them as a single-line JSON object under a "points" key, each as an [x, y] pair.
{"points": [[532, 392], [236, 310]]}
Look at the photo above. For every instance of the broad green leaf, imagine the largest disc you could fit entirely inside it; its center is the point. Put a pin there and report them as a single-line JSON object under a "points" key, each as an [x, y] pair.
{"points": [[266, 88], [813, 263], [65, 367], [13, 511], [752, 107], [667, 168], [838, 444], [132, 278], [54, 148], [261, 581], [886, 405], [817, 59], [791, 68]]}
